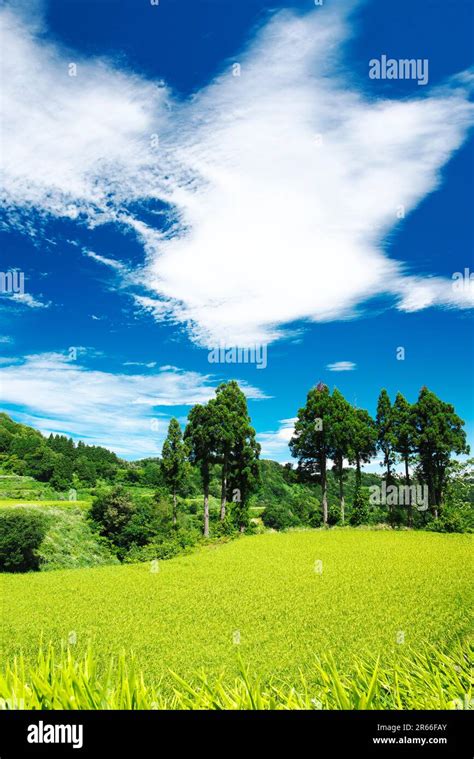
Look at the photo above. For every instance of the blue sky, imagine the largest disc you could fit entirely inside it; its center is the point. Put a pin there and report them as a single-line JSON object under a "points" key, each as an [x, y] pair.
{"points": [[227, 173]]}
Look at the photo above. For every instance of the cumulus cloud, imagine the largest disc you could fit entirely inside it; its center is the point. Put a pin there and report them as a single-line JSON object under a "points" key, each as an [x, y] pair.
{"points": [[281, 184], [128, 413]]}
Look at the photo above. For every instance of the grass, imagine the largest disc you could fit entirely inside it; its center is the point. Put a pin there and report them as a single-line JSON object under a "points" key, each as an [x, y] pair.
{"points": [[69, 542], [388, 594], [35, 502], [429, 680]]}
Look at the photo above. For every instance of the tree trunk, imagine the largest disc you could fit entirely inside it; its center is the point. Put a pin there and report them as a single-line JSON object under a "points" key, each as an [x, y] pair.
{"points": [[205, 481], [407, 483], [206, 515], [324, 488], [432, 494], [223, 489], [341, 488], [175, 516]]}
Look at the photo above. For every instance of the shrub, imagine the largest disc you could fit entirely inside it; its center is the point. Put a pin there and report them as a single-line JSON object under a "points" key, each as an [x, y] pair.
{"points": [[279, 517], [21, 533], [112, 511], [360, 508], [180, 541], [151, 517], [454, 518]]}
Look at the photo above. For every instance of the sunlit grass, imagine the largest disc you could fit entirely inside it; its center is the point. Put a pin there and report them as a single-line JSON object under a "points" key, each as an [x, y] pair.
{"points": [[427, 680], [267, 600]]}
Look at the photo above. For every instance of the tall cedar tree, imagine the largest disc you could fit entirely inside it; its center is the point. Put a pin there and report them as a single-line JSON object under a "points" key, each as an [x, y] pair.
{"points": [[385, 434], [363, 445], [173, 462], [244, 477], [232, 430], [439, 431], [404, 439], [200, 435], [311, 441], [340, 434]]}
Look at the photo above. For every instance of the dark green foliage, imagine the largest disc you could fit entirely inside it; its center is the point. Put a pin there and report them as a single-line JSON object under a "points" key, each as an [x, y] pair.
{"points": [[201, 439], [150, 517], [340, 440], [54, 460], [21, 533], [112, 512], [220, 433], [311, 443], [458, 509], [438, 433], [173, 463], [279, 516], [385, 433], [236, 450], [360, 507]]}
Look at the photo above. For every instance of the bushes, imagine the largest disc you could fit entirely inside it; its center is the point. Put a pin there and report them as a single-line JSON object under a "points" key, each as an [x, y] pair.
{"points": [[360, 508], [21, 533], [454, 518], [302, 510], [279, 517], [143, 529], [112, 511], [162, 548], [44, 538]]}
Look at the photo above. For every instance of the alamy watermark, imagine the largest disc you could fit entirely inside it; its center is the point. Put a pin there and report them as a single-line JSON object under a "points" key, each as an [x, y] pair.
{"points": [[403, 68], [12, 282], [253, 354], [400, 495], [463, 280]]}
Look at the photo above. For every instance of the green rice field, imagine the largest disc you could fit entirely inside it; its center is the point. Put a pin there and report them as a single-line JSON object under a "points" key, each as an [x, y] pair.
{"points": [[275, 603]]}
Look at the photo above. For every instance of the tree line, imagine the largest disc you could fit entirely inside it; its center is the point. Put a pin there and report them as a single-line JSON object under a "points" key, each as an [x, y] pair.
{"points": [[329, 431], [421, 436]]}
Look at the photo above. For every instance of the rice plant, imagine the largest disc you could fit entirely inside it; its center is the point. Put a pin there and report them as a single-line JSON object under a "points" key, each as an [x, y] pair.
{"points": [[427, 679]]}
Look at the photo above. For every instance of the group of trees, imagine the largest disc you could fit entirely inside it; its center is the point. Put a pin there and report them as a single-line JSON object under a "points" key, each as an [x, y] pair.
{"points": [[56, 460], [218, 433], [218, 455], [421, 436]]}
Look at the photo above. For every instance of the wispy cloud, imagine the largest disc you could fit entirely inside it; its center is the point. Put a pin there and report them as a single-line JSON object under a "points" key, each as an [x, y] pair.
{"points": [[281, 184], [26, 299], [125, 412], [110, 262], [341, 366]]}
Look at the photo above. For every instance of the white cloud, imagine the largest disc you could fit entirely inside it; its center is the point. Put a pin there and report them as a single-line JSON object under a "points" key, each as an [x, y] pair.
{"points": [[119, 411], [26, 299], [149, 364], [282, 183], [341, 366], [110, 262], [275, 444]]}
